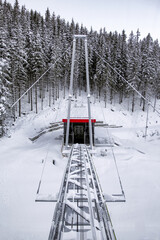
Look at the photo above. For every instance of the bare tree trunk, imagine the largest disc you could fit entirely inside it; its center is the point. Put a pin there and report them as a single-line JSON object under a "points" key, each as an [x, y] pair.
{"points": [[128, 101], [105, 97], [121, 97], [44, 88], [36, 103], [31, 99], [99, 94], [58, 90], [53, 91], [14, 99], [133, 101], [56, 93], [64, 89], [144, 95], [42, 91], [140, 102], [144, 102], [48, 81], [80, 90], [16, 106], [155, 101], [19, 95], [76, 87], [29, 83], [111, 96], [50, 92]]}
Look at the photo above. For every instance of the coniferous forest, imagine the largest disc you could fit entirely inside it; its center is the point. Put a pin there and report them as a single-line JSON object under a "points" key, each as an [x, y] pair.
{"points": [[30, 43]]}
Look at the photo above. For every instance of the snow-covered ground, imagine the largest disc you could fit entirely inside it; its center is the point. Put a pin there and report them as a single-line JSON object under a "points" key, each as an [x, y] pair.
{"points": [[24, 163]]}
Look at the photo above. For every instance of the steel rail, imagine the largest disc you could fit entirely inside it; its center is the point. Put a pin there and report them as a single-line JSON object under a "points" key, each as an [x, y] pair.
{"points": [[96, 198], [90, 202], [57, 213], [105, 220], [81, 210], [60, 233]]}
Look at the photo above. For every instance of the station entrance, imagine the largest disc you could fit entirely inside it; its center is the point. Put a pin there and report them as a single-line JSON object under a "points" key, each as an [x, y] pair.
{"points": [[79, 131]]}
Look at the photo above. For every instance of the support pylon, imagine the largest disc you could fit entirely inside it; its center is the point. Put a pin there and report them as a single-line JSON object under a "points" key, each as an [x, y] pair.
{"points": [[83, 37]]}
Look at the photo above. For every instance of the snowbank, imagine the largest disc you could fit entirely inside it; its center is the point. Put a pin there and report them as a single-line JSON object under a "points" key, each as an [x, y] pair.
{"points": [[22, 167]]}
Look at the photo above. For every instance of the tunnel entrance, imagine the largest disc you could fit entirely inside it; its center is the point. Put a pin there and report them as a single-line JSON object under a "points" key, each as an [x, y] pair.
{"points": [[79, 131]]}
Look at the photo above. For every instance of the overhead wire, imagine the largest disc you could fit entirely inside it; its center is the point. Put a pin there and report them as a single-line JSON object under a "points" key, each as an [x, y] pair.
{"points": [[113, 154], [48, 148]]}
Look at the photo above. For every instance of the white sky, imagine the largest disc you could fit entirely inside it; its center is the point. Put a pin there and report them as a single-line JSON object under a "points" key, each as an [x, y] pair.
{"points": [[111, 14]]}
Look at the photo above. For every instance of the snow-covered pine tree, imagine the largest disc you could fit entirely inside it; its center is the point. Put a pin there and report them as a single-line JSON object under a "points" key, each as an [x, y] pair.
{"points": [[22, 28], [48, 48], [147, 67], [101, 69], [38, 65], [122, 64], [133, 66], [5, 83], [115, 62], [18, 56], [156, 78]]}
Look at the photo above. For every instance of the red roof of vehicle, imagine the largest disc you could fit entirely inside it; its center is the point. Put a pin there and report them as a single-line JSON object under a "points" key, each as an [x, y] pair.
{"points": [[79, 120]]}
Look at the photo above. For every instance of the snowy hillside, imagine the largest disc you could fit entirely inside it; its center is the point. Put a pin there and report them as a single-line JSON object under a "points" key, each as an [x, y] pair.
{"points": [[23, 163]]}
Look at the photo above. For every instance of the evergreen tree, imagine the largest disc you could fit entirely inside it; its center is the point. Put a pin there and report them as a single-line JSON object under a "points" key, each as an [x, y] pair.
{"points": [[133, 65], [29, 44], [156, 78], [147, 67], [5, 79]]}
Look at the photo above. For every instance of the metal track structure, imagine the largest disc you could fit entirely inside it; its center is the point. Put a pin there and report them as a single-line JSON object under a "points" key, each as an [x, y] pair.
{"points": [[81, 212]]}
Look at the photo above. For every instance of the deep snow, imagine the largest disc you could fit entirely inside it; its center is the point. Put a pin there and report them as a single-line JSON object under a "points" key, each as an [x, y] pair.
{"points": [[22, 162]]}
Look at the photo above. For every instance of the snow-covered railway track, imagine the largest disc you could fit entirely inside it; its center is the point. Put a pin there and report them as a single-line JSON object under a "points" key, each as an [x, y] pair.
{"points": [[81, 212]]}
